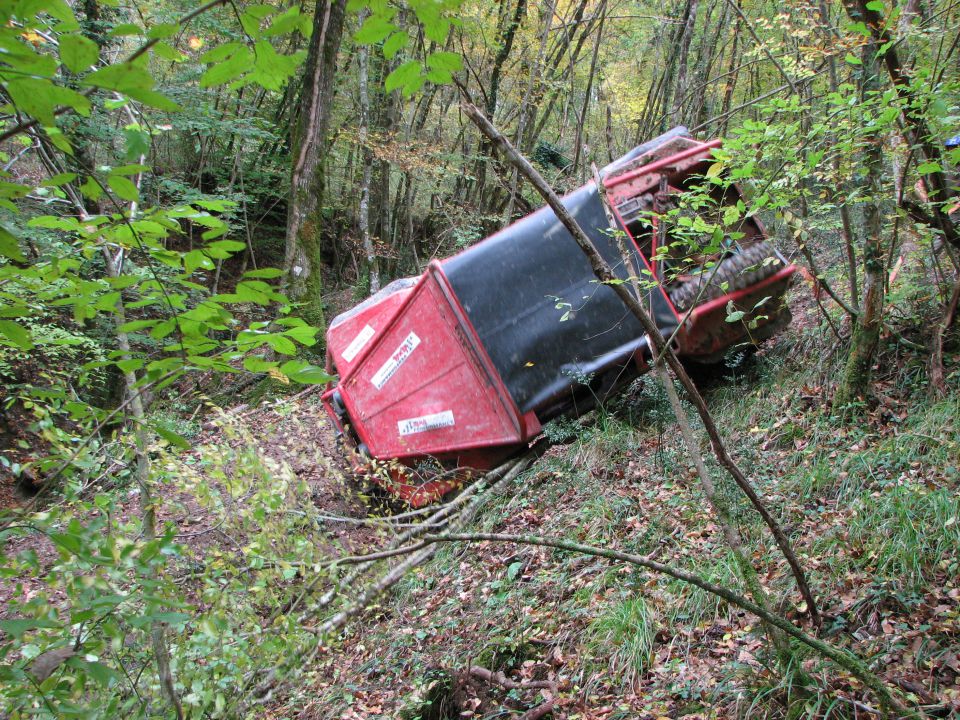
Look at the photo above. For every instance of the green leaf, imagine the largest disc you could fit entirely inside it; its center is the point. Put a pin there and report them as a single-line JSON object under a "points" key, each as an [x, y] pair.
{"points": [[162, 31], [135, 325], [102, 674], [59, 179], [853, 59], [168, 52], [271, 70], [859, 28], [374, 29], [246, 292], [449, 61], [19, 627], [395, 43], [69, 542], [124, 189], [137, 142], [437, 31], [303, 372], [402, 76], [78, 53], [251, 24], [735, 316], [281, 344], [16, 334], [171, 618], [9, 247], [438, 77], [126, 29], [129, 169], [91, 189], [265, 273], [227, 70], [287, 22], [222, 249], [129, 365], [218, 205], [172, 437], [196, 259], [41, 98], [875, 5], [929, 167], [221, 53], [253, 363], [153, 99], [54, 222], [304, 334], [125, 78]]}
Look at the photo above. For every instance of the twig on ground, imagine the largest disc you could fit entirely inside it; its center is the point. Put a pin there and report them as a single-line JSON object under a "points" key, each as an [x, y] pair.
{"points": [[843, 658]]}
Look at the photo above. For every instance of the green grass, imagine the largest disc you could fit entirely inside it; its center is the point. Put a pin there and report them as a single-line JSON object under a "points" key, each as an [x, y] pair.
{"points": [[906, 534], [692, 606], [624, 634]]}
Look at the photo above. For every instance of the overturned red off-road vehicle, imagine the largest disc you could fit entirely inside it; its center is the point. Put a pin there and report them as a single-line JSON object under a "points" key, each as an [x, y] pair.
{"points": [[459, 368]]}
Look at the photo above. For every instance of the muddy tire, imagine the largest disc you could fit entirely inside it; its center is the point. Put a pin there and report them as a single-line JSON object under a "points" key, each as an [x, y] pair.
{"points": [[734, 273]]}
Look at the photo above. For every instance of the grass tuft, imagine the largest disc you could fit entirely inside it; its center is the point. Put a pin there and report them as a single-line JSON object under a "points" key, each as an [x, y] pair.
{"points": [[625, 633]]}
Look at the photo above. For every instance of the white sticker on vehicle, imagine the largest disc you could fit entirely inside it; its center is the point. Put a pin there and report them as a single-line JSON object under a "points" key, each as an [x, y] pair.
{"points": [[426, 422], [393, 363], [357, 344]]}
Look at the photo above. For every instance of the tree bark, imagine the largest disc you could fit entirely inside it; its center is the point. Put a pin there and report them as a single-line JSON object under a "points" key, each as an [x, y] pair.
{"points": [[373, 269], [503, 52], [303, 259], [918, 130], [681, 83], [586, 96], [855, 382]]}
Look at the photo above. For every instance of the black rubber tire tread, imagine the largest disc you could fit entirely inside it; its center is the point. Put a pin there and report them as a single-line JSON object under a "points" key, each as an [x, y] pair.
{"points": [[738, 271]]}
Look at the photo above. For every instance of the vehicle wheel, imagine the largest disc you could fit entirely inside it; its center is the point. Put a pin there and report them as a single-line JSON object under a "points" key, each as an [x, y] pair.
{"points": [[734, 273]]}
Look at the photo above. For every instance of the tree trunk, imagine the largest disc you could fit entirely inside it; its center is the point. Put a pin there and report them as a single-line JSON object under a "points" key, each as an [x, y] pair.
{"points": [[373, 269], [683, 52], [917, 129], [855, 382], [586, 96], [506, 45], [535, 80], [304, 247]]}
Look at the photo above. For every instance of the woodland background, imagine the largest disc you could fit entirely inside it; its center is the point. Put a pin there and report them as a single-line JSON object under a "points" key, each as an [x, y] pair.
{"points": [[190, 192]]}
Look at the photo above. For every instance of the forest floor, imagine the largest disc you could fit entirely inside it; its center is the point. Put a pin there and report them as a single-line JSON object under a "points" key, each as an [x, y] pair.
{"points": [[872, 508]]}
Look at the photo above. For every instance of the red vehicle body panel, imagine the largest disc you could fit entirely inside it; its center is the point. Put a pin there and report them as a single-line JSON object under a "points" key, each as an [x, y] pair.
{"points": [[425, 385]]}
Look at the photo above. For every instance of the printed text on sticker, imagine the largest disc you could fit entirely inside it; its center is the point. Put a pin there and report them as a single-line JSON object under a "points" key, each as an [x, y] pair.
{"points": [[396, 359]]}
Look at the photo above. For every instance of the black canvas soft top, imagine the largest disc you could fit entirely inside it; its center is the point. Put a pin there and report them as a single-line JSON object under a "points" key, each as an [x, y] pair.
{"points": [[541, 314]]}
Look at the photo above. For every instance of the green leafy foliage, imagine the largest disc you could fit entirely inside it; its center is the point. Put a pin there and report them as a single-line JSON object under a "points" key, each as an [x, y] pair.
{"points": [[106, 279], [435, 18]]}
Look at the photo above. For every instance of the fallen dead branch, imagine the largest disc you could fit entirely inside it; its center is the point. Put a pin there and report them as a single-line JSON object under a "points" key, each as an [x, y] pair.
{"points": [[454, 515], [499, 678], [605, 274], [847, 661]]}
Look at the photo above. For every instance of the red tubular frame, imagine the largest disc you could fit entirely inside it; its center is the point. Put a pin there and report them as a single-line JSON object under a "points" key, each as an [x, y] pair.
{"points": [[662, 163]]}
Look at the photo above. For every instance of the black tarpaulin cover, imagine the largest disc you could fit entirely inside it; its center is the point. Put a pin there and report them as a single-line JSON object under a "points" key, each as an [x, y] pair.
{"points": [[518, 285]]}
